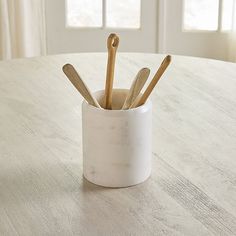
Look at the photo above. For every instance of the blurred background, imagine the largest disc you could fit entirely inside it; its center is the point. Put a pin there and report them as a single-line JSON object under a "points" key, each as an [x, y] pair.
{"points": [[202, 28]]}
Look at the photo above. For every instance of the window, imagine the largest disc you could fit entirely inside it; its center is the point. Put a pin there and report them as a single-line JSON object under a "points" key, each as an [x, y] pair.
{"points": [[77, 15], [201, 14], [210, 15], [227, 14], [103, 13]]}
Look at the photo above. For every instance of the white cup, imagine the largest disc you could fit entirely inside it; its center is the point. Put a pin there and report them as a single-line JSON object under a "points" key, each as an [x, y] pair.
{"points": [[117, 146]]}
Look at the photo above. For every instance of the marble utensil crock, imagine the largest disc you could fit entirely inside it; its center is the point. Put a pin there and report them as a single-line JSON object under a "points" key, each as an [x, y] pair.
{"points": [[116, 143]]}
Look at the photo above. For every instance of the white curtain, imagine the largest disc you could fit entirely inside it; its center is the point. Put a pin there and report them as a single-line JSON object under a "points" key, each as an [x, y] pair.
{"points": [[232, 47], [232, 36], [22, 28]]}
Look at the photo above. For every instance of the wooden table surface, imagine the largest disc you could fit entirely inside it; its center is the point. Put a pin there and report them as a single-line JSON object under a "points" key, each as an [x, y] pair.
{"points": [[192, 190]]}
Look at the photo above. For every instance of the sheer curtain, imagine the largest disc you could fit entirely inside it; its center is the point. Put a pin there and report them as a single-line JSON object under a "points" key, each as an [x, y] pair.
{"points": [[232, 36], [22, 28], [232, 46]]}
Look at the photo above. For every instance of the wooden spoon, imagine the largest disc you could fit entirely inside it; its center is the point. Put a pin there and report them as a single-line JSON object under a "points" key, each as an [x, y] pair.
{"points": [[76, 80], [112, 45], [136, 87], [165, 63]]}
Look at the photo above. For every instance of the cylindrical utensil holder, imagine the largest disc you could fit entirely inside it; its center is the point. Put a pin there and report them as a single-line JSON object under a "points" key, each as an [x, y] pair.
{"points": [[116, 143]]}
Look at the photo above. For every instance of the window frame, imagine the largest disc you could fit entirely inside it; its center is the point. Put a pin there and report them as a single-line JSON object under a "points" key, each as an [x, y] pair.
{"points": [[104, 26]]}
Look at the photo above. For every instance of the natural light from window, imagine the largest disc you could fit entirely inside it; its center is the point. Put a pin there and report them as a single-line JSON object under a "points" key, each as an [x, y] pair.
{"points": [[201, 14], [208, 15], [84, 13], [123, 13], [227, 14], [114, 14]]}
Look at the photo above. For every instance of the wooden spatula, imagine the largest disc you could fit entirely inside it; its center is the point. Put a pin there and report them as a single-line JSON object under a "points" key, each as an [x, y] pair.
{"points": [[76, 80], [136, 87], [112, 45], [165, 63]]}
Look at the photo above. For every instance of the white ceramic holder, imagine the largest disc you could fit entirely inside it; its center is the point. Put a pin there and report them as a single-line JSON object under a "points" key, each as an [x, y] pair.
{"points": [[116, 143]]}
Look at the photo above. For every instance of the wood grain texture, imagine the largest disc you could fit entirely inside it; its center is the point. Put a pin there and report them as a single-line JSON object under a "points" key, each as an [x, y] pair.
{"points": [[79, 84], [165, 63], [112, 45], [136, 87], [192, 190]]}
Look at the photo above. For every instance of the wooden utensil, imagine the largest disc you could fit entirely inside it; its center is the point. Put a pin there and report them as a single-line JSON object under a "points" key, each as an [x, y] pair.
{"points": [[136, 87], [112, 45], [165, 63], [76, 80]]}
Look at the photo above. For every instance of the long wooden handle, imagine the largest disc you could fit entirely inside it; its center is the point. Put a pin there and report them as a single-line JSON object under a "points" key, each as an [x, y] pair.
{"points": [[112, 45], [136, 87], [76, 80], [165, 63]]}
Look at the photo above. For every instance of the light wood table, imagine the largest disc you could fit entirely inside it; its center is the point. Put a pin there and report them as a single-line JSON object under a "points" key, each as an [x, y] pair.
{"points": [[192, 190]]}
